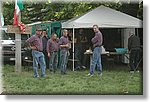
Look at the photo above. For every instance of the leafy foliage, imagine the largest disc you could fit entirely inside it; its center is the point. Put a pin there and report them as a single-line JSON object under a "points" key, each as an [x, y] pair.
{"points": [[47, 11]]}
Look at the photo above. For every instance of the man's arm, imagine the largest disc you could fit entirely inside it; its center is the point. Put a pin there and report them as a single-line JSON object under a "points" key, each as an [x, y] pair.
{"points": [[29, 46], [95, 39], [64, 46], [61, 44], [29, 41], [48, 48]]}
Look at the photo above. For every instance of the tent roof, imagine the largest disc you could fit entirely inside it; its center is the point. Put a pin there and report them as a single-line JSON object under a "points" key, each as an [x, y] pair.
{"points": [[104, 17]]}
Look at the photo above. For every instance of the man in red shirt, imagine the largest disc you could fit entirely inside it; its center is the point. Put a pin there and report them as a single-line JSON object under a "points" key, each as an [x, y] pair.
{"points": [[52, 50], [35, 43], [97, 41], [64, 44]]}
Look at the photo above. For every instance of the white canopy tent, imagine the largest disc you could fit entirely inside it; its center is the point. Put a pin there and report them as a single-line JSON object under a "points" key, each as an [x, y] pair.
{"points": [[104, 17]]}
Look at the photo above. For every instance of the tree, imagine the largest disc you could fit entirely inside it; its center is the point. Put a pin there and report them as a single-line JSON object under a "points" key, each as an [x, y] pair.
{"points": [[48, 11]]}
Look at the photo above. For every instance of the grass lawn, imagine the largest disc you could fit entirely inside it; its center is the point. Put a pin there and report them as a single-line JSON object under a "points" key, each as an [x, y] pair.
{"points": [[113, 81]]}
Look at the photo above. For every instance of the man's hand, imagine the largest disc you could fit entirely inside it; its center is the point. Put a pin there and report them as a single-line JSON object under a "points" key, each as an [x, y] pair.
{"points": [[64, 46], [57, 40], [48, 54], [67, 45], [33, 47]]}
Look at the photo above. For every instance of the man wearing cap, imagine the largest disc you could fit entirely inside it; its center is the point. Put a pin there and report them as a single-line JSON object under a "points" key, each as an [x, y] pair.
{"points": [[52, 50], [97, 41], [44, 41], [134, 51], [64, 44], [35, 43]]}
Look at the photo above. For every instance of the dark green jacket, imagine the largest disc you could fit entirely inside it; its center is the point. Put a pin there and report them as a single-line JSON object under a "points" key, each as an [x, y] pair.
{"points": [[133, 42]]}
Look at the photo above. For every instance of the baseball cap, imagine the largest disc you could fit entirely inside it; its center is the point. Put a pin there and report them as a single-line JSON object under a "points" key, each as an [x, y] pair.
{"points": [[38, 28]]}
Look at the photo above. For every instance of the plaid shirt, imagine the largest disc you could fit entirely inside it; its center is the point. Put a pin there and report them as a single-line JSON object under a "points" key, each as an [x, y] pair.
{"points": [[52, 45], [36, 41]]}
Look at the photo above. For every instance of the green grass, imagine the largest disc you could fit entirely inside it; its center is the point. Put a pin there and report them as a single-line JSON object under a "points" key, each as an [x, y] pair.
{"points": [[113, 81]]}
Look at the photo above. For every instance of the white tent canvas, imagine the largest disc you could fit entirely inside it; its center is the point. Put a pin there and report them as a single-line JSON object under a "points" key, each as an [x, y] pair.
{"points": [[104, 17]]}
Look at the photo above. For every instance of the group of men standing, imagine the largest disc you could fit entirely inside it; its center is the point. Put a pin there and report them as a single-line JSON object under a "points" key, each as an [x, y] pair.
{"points": [[45, 51]]}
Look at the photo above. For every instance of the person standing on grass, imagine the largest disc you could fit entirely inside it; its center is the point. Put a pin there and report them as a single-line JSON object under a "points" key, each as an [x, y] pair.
{"points": [[134, 51], [35, 43], [52, 50], [97, 41], [79, 50], [64, 44], [44, 41]]}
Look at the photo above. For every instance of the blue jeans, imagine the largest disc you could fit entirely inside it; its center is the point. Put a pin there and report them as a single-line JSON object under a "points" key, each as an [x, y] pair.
{"points": [[64, 60], [96, 60], [53, 61], [38, 58]]}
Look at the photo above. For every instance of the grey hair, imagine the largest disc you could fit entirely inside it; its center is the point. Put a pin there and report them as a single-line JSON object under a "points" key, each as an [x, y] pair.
{"points": [[65, 30]]}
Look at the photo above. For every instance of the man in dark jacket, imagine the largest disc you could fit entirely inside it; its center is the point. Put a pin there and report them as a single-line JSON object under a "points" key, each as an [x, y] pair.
{"points": [[44, 41], [134, 51]]}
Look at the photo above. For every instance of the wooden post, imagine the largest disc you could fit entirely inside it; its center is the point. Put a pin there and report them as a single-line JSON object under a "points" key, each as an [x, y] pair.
{"points": [[16, 30], [18, 50], [18, 53]]}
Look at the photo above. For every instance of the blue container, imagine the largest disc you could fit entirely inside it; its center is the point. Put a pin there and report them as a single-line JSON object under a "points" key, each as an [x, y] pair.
{"points": [[121, 50]]}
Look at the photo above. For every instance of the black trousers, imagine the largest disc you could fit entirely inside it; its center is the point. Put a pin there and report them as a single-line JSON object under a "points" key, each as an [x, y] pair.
{"points": [[134, 57], [46, 59]]}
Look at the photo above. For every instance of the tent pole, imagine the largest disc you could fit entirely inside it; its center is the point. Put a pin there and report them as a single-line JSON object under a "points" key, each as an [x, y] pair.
{"points": [[73, 47]]}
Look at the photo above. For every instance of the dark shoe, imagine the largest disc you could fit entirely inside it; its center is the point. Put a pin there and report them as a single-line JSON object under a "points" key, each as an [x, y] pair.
{"points": [[63, 73], [36, 76], [50, 69], [42, 76], [77, 68]]}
